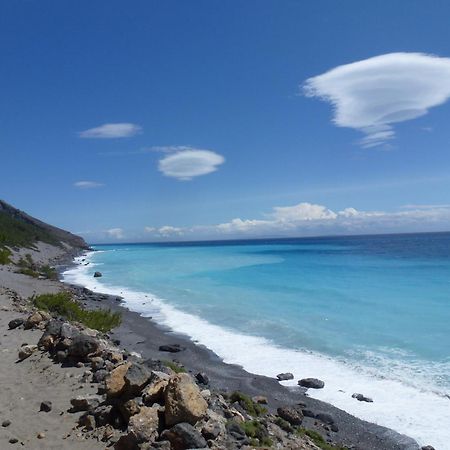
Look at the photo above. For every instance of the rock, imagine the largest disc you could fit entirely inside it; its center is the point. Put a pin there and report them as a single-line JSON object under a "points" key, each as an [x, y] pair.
{"points": [[129, 408], [6, 423], [154, 391], [260, 399], [184, 436], [115, 381], [171, 348], [97, 274], [235, 430], [46, 406], [202, 378], [311, 383], [33, 320], [46, 341], [83, 345], [40, 435], [145, 425], [325, 418], [87, 421], [285, 376], [97, 363], [61, 355], [85, 402], [100, 375], [427, 447], [13, 441], [54, 327], [103, 414], [136, 378], [68, 331], [206, 394], [362, 398], [26, 351], [211, 430], [183, 401], [15, 323], [290, 414], [308, 413]]}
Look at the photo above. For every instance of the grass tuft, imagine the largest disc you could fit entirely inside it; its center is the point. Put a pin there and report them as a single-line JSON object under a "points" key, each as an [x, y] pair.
{"points": [[174, 366], [318, 439], [63, 305], [4, 256], [254, 409]]}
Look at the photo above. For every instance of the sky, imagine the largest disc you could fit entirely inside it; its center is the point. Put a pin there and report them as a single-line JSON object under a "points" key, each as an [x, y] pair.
{"points": [[210, 119]]}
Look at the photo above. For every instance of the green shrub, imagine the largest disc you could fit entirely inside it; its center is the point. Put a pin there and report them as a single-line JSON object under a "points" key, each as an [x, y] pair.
{"points": [[4, 256], [29, 272], [318, 439], [255, 430], [63, 305], [254, 409], [174, 366], [49, 272]]}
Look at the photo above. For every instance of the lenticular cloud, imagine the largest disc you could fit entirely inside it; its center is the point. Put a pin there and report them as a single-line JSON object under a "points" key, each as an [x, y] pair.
{"points": [[373, 94]]}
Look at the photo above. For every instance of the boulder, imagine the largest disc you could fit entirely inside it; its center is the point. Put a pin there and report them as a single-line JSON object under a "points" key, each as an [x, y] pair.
{"points": [[103, 414], [68, 331], [427, 447], [184, 436], [46, 342], [97, 274], [326, 418], [362, 398], [87, 421], [136, 378], [15, 323], [285, 376], [54, 327], [33, 321], [115, 381], [171, 348], [211, 430], [183, 401], [97, 363], [85, 402], [129, 408], [290, 414], [311, 383], [144, 426], [154, 391], [100, 375], [202, 378], [26, 351], [82, 346]]}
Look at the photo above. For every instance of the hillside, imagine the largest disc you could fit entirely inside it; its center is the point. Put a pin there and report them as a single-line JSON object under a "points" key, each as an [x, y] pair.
{"points": [[18, 229]]}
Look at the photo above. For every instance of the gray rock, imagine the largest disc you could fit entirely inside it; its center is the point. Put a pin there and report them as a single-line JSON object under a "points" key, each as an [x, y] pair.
{"points": [[362, 398], [6, 423], [136, 378], [97, 274], [46, 406], [54, 327], [171, 348], [211, 430], [85, 402], [68, 331], [184, 436], [100, 375], [427, 447], [311, 383], [83, 345], [285, 376], [103, 414], [202, 378], [325, 418], [26, 351], [15, 323], [290, 414]]}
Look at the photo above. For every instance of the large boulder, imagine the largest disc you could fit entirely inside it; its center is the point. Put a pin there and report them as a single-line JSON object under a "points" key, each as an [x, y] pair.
{"points": [[184, 436], [115, 381], [85, 402], [136, 378], [33, 320], [290, 414], [15, 323], [285, 376], [82, 346], [183, 401]]}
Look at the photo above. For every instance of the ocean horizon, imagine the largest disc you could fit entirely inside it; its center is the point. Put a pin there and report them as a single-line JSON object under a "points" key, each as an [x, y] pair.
{"points": [[366, 314]]}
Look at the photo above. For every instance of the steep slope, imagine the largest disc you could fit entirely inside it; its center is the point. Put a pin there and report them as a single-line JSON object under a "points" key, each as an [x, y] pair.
{"points": [[18, 229]]}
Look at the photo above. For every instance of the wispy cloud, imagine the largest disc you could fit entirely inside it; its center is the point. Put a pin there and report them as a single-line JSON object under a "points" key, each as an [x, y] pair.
{"points": [[87, 184], [111, 131], [116, 233], [185, 163], [373, 94], [165, 231]]}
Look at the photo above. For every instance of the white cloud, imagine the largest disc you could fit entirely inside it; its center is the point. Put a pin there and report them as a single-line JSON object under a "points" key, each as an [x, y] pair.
{"points": [[301, 212], [116, 233], [111, 131], [187, 163], [87, 184], [373, 94]]}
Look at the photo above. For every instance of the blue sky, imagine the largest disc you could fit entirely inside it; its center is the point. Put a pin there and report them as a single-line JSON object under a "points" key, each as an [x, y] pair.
{"points": [[153, 120]]}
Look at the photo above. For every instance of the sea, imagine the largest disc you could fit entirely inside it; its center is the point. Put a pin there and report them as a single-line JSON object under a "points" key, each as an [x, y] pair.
{"points": [[365, 314]]}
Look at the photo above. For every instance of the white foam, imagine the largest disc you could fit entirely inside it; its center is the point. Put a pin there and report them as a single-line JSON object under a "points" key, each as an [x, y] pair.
{"points": [[418, 412]]}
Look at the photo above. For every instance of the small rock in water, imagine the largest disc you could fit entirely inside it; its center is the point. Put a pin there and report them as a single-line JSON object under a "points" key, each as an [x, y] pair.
{"points": [[427, 447], [311, 383], [362, 398], [285, 376], [6, 423], [46, 406], [97, 274]]}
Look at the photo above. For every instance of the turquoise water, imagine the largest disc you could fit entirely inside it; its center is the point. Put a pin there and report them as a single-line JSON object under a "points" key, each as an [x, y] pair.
{"points": [[375, 309]]}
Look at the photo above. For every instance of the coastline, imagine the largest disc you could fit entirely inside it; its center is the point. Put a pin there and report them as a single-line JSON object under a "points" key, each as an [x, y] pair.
{"points": [[144, 335]]}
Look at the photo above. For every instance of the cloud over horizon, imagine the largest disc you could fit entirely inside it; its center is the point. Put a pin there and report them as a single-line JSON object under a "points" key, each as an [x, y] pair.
{"points": [[185, 163], [111, 131], [374, 94]]}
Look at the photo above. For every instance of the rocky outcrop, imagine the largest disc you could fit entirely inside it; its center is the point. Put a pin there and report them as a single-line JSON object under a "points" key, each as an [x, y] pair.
{"points": [[311, 383]]}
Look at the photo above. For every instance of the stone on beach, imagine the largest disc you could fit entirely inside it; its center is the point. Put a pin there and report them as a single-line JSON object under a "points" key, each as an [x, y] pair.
{"points": [[184, 436], [311, 383], [136, 378], [26, 351], [183, 401], [154, 391], [15, 323], [362, 398], [33, 320], [290, 414], [171, 348], [46, 406], [83, 345], [285, 376], [85, 402], [144, 426], [115, 381]]}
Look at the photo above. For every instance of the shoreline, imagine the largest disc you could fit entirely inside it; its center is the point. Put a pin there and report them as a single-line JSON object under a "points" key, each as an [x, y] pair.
{"points": [[144, 335]]}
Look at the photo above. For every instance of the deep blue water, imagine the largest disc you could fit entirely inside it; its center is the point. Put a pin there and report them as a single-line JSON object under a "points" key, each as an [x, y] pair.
{"points": [[379, 305]]}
